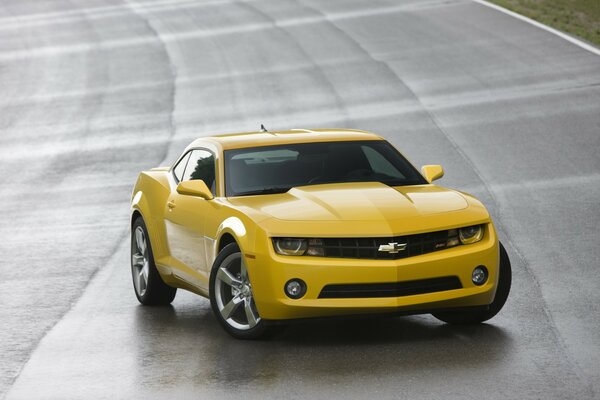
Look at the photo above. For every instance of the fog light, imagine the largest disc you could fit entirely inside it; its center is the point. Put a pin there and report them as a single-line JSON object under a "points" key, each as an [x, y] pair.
{"points": [[479, 275], [295, 288]]}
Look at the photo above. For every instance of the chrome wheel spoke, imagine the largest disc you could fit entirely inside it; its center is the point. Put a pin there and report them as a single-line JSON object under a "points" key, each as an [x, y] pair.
{"points": [[252, 320], [141, 282], [231, 307], [137, 260], [140, 240], [224, 276], [243, 271], [145, 271]]}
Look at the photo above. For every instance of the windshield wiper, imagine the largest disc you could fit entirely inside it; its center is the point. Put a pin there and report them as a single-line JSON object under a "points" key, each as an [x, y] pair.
{"points": [[270, 190]]}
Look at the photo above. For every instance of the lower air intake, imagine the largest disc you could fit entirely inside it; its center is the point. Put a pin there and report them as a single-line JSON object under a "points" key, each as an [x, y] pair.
{"points": [[394, 289]]}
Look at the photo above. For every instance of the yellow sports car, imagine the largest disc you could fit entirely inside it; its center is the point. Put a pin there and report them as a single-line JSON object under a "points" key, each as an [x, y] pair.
{"points": [[274, 226]]}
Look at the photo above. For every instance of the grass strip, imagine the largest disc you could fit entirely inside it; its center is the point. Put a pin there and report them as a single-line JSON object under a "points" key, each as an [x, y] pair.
{"points": [[579, 18]]}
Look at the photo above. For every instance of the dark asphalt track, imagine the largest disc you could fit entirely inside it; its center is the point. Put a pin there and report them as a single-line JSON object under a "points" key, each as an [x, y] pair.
{"points": [[94, 91]]}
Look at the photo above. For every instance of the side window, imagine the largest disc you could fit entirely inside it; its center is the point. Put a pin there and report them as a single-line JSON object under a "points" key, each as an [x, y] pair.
{"points": [[180, 167], [379, 164], [201, 165]]}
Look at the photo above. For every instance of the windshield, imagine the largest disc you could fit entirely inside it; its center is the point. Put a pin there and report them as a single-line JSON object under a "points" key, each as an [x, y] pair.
{"points": [[276, 169]]}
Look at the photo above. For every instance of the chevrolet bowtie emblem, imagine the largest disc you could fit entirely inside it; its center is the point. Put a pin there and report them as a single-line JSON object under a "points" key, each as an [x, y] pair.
{"points": [[393, 247]]}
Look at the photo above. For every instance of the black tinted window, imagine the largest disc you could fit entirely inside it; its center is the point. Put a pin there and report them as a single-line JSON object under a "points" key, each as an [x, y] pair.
{"points": [[201, 165], [275, 169]]}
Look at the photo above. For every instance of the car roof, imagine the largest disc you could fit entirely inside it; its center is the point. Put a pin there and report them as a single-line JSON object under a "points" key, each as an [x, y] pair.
{"points": [[255, 139]]}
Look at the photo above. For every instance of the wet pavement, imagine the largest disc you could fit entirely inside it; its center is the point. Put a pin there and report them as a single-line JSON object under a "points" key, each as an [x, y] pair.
{"points": [[95, 91]]}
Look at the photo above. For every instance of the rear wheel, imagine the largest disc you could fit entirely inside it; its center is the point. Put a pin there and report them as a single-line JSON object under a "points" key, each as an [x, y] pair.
{"points": [[473, 317], [231, 296], [148, 285]]}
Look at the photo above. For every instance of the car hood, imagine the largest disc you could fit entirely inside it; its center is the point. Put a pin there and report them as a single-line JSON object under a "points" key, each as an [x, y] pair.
{"points": [[370, 201], [363, 207]]}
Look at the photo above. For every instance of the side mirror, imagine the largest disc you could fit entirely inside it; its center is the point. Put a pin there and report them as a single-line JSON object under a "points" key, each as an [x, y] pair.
{"points": [[196, 188], [432, 172]]}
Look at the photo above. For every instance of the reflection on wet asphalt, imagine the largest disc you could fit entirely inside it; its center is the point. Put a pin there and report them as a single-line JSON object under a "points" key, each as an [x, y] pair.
{"points": [[321, 352]]}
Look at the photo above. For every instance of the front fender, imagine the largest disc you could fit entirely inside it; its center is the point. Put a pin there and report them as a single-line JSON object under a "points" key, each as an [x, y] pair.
{"points": [[243, 233], [253, 242]]}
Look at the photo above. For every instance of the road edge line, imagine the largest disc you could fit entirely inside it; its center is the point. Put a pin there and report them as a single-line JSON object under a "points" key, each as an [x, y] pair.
{"points": [[586, 46]]}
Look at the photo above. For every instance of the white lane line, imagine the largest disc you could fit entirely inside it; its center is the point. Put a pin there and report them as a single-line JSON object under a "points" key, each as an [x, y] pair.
{"points": [[560, 34]]}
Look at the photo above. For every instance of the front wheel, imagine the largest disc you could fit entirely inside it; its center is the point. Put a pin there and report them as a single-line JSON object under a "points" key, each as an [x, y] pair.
{"points": [[473, 317], [231, 296]]}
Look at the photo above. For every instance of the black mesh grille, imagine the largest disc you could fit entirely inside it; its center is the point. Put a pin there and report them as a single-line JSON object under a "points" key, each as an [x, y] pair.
{"points": [[368, 248], [394, 289]]}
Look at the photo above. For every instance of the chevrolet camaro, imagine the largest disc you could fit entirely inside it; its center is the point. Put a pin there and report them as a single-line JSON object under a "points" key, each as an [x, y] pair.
{"points": [[276, 226]]}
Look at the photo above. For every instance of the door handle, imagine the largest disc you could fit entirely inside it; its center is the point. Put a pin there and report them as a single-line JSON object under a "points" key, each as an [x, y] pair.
{"points": [[171, 205]]}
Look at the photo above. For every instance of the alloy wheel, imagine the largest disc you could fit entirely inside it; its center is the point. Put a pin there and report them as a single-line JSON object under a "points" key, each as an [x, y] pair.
{"points": [[233, 294], [140, 265]]}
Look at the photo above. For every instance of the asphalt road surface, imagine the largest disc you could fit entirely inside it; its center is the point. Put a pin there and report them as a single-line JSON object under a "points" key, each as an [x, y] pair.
{"points": [[94, 91]]}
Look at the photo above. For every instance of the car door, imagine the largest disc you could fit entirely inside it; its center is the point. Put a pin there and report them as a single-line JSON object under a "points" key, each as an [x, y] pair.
{"points": [[185, 218]]}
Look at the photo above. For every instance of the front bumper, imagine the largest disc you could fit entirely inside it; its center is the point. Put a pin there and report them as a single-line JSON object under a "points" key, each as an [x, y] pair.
{"points": [[269, 272]]}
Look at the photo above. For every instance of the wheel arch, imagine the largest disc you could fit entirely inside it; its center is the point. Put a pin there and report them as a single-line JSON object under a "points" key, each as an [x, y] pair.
{"points": [[139, 208], [235, 230], [135, 214], [225, 239]]}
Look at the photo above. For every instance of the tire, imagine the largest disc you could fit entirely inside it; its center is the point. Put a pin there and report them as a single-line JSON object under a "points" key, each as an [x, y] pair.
{"points": [[231, 296], [148, 286], [474, 317]]}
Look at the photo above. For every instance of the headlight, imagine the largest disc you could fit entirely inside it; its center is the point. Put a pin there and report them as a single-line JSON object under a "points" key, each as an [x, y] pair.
{"points": [[290, 246], [470, 234], [299, 247]]}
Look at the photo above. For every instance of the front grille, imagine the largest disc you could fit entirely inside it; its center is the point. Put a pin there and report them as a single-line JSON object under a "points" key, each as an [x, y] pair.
{"points": [[394, 289], [368, 248]]}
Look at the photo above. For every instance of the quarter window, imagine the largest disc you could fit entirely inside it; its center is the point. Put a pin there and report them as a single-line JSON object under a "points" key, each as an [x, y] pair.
{"points": [[201, 165], [180, 167]]}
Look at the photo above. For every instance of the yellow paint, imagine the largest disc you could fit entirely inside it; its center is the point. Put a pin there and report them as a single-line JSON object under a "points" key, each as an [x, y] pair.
{"points": [[186, 238], [432, 172], [194, 188]]}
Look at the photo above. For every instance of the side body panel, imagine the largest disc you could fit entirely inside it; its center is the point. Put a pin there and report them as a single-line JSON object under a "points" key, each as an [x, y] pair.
{"points": [[149, 199], [186, 242], [185, 218]]}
